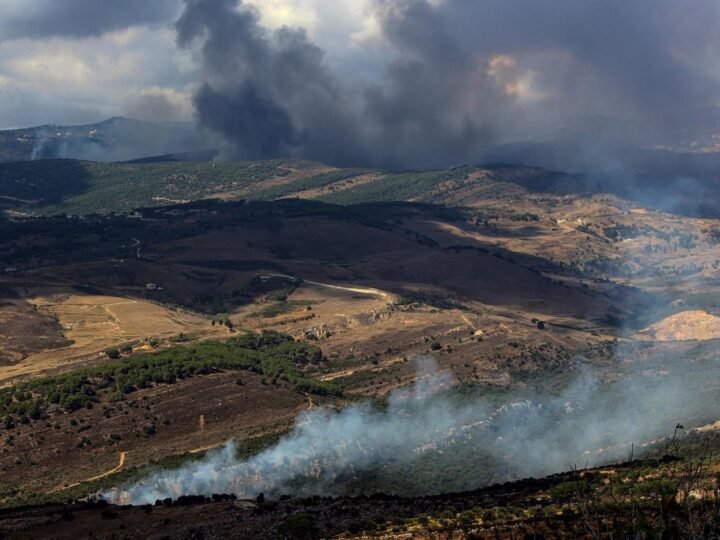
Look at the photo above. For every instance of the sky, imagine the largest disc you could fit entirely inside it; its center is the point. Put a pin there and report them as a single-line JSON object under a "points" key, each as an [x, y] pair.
{"points": [[373, 82], [78, 61]]}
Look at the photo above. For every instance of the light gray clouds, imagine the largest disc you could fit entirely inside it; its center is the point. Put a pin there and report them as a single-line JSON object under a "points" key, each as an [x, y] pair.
{"points": [[42, 19]]}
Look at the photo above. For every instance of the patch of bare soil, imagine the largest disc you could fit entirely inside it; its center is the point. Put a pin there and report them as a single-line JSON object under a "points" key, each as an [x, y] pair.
{"points": [[695, 325]]}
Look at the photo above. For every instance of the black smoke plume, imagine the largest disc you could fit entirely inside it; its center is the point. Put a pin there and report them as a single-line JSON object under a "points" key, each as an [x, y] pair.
{"points": [[459, 78]]}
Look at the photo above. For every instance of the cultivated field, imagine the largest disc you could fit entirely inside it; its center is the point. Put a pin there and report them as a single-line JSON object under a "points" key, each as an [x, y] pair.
{"points": [[96, 323]]}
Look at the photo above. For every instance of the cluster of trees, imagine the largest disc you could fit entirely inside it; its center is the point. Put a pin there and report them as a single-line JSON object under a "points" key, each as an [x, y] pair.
{"points": [[316, 181], [78, 187], [400, 186], [270, 354]]}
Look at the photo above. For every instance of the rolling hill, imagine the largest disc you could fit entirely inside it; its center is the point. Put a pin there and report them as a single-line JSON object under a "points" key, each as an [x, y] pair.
{"points": [[119, 320], [46, 187]]}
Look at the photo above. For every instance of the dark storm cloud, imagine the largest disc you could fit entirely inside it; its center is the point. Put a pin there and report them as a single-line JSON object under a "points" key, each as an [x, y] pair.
{"points": [[459, 75], [38, 19]]}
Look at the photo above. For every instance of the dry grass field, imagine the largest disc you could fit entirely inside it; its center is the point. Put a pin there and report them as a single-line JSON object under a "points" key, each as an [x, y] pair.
{"points": [[95, 323]]}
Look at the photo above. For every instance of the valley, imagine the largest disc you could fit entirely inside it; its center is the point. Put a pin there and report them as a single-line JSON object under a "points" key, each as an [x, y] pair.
{"points": [[513, 292]]}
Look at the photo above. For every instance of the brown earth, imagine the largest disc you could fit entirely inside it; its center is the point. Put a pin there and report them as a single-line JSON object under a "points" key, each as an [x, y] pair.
{"points": [[56, 453], [25, 331], [506, 288], [459, 291]]}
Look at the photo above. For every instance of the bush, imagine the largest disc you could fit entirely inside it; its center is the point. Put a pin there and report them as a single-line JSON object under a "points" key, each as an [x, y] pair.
{"points": [[271, 354], [299, 525], [112, 354]]}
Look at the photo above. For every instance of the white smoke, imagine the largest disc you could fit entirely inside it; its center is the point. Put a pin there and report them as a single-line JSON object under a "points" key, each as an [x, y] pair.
{"points": [[431, 432], [41, 139]]}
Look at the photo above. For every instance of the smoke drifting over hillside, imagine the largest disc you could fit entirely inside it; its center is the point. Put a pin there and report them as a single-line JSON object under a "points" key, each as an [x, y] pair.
{"points": [[458, 76], [429, 439], [116, 139]]}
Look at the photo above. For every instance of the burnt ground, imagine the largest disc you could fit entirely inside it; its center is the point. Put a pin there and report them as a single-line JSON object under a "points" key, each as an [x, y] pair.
{"points": [[250, 519], [24, 330], [531, 508]]}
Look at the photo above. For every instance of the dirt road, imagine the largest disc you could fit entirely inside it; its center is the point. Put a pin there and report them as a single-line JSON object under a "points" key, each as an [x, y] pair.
{"points": [[359, 290], [121, 464]]}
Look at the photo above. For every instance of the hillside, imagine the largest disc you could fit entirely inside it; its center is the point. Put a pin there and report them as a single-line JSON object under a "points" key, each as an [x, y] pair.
{"points": [[650, 496], [77, 187], [47, 187], [539, 307], [113, 139]]}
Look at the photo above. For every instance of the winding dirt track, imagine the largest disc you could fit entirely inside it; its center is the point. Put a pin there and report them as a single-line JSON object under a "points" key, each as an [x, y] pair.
{"points": [[359, 290], [121, 464]]}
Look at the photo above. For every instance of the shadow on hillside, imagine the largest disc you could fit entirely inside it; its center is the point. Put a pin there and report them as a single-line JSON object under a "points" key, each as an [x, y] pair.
{"points": [[36, 184], [668, 191]]}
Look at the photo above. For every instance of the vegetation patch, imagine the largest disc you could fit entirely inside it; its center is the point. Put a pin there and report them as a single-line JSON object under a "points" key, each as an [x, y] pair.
{"points": [[271, 354], [303, 184], [280, 308], [395, 187]]}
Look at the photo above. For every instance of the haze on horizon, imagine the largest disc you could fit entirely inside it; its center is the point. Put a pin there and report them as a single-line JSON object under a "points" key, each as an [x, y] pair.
{"points": [[372, 82]]}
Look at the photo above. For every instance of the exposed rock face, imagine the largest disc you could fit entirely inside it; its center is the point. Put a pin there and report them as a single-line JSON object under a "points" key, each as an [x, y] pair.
{"points": [[686, 326], [316, 332]]}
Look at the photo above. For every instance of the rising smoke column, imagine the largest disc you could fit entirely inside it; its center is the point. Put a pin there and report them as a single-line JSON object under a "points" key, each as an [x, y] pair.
{"points": [[427, 429], [456, 76], [268, 93]]}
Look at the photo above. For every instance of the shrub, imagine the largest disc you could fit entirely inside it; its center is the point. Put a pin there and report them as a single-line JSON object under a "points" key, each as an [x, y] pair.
{"points": [[271, 354], [299, 525]]}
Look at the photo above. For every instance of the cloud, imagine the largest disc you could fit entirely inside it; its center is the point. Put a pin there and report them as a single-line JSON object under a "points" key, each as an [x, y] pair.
{"points": [[40, 19], [80, 81]]}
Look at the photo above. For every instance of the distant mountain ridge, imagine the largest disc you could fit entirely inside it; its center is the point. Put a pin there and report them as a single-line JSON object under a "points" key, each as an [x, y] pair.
{"points": [[114, 139]]}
